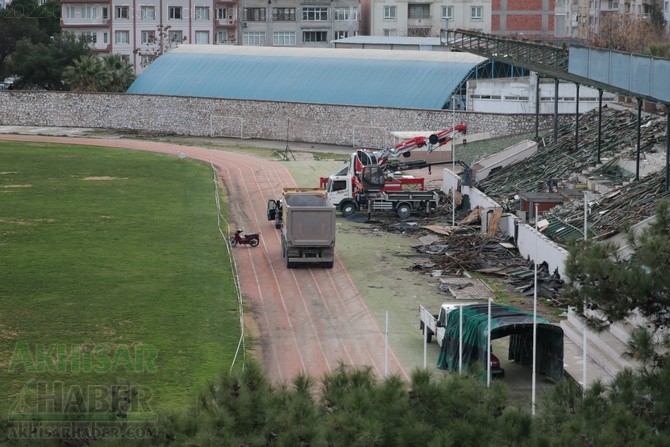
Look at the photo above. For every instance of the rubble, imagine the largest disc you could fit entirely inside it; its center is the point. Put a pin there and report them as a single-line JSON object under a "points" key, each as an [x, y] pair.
{"points": [[623, 202]]}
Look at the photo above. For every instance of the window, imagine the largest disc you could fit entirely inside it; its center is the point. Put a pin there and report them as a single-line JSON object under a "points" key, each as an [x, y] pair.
{"points": [[418, 32], [354, 14], [284, 39], [221, 13], [613, 4], [201, 13], [121, 37], [418, 11], [202, 37], [176, 37], [91, 36], [147, 13], [104, 38], [174, 12], [88, 12], [148, 37], [146, 59], [341, 14], [105, 13], [283, 14], [476, 12], [447, 12], [121, 12], [69, 11], [254, 14], [389, 12], [221, 37], [390, 32], [314, 14], [256, 38], [341, 34], [314, 36]]}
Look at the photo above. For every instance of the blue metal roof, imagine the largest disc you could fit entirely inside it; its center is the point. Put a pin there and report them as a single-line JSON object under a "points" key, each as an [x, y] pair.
{"points": [[386, 78]]}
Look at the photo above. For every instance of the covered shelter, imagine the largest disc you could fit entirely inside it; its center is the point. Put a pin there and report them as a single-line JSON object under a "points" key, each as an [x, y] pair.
{"points": [[505, 321], [382, 78]]}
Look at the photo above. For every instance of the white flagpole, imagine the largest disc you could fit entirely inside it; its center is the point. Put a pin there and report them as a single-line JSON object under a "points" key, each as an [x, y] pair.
{"points": [[584, 329], [460, 339], [425, 344], [453, 161], [534, 317], [386, 347], [488, 349]]}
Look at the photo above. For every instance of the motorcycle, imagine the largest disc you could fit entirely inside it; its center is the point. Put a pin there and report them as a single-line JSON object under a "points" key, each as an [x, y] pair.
{"points": [[251, 239]]}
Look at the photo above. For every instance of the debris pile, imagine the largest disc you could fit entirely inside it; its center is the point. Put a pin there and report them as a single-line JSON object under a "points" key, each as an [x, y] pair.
{"points": [[455, 251]]}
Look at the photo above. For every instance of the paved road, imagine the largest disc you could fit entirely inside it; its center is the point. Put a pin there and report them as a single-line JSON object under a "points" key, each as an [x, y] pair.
{"points": [[309, 320]]}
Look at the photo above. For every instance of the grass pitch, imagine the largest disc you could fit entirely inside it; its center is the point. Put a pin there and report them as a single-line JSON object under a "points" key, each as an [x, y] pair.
{"points": [[112, 271]]}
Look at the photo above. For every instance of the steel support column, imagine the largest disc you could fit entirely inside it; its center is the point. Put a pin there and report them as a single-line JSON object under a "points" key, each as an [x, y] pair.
{"points": [[537, 106], [667, 150], [556, 110], [600, 121], [639, 132], [577, 118]]}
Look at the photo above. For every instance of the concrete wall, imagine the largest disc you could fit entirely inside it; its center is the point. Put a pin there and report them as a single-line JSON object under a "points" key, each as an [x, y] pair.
{"points": [[530, 243], [512, 154], [297, 122]]}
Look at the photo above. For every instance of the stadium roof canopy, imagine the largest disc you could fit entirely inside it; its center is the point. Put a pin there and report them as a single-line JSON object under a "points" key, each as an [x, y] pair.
{"points": [[385, 78]]}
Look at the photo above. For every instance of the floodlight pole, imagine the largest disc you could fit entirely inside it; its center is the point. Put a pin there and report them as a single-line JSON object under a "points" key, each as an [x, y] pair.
{"points": [[584, 328], [537, 234], [453, 161]]}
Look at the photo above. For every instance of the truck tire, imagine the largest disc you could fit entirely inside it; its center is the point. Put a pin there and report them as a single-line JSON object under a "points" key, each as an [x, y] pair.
{"points": [[328, 265], [404, 210], [429, 336], [348, 208]]}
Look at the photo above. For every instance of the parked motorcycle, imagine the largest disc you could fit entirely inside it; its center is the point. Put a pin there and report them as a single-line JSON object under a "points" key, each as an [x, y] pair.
{"points": [[250, 238]]}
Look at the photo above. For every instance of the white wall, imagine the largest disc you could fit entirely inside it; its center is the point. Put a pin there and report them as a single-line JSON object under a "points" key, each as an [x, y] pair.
{"points": [[512, 154], [517, 95], [530, 243]]}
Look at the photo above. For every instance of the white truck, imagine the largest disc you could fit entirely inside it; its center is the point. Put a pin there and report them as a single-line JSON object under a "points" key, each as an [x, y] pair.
{"points": [[436, 324], [431, 324]]}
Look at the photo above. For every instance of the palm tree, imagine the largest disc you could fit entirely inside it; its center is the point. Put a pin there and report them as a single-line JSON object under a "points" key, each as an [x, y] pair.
{"points": [[120, 71], [86, 75]]}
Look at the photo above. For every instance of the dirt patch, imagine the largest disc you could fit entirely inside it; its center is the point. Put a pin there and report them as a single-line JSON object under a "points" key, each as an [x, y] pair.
{"points": [[104, 177], [16, 186]]}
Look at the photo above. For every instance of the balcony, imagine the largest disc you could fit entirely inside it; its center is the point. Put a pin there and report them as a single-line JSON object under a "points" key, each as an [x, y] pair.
{"points": [[226, 23]]}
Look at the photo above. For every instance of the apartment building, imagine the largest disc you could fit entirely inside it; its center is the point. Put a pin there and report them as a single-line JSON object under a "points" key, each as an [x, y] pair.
{"points": [[426, 18], [141, 30], [533, 19], [580, 19]]}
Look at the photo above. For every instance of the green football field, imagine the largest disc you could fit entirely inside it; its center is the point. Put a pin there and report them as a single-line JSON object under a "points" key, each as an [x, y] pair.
{"points": [[112, 271]]}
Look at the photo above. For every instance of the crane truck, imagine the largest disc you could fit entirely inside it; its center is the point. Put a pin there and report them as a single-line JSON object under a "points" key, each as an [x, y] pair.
{"points": [[307, 226], [368, 182]]}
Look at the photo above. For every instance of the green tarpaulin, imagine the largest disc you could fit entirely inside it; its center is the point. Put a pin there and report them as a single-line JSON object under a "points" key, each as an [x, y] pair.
{"points": [[505, 321]]}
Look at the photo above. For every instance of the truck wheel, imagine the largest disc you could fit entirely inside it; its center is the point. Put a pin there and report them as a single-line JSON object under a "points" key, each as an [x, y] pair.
{"points": [[348, 208], [404, 210], [428, 337], [328, 265]]}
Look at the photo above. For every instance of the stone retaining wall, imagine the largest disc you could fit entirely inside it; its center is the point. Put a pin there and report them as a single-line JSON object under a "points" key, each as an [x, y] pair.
{"points": [[271, 120]]}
